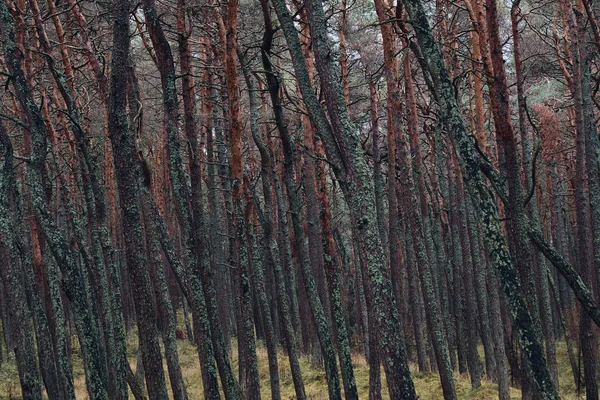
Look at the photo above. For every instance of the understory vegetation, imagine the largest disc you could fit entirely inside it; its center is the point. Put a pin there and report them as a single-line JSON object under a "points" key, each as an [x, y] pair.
{"points": [[427, 384]]}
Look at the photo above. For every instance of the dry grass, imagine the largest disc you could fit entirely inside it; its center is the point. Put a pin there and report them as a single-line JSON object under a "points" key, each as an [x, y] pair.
{"points": [[427, 385]]}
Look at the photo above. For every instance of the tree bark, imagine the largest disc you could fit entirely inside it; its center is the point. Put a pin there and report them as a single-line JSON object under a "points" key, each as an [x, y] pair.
{"points": [[124, 157], [529, 338]]}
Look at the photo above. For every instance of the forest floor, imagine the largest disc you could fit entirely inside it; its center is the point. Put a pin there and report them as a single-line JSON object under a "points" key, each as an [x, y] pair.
{"points": [[427, 384]]}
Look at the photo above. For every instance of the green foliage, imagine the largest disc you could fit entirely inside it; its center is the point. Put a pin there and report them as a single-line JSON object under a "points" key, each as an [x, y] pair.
{"points": [[544, 91]]}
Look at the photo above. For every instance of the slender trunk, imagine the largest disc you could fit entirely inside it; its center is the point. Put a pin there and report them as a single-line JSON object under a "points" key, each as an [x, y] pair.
{"points": [[74, 288], [459, 294], [123, 149], [515, 211], [377, 175], [490, 309], [249, 380], [372, 335], [12, 274], [470, 309], [191, 221], [259, 274], [316, 307], [166, 315], [529, 339], [424, 227], [419, 330], [544, 292], [585, 251], [192, 289]]}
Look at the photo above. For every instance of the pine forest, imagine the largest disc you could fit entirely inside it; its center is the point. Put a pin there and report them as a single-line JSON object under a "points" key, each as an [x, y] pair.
{"points": [[299, 199]]}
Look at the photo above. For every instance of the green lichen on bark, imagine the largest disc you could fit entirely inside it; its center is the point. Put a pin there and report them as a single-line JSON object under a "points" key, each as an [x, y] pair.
{"points": [[90, 338], [529, 339], [257, 263], [190, 219], [127, 183], [12, 272], [348, 161]]}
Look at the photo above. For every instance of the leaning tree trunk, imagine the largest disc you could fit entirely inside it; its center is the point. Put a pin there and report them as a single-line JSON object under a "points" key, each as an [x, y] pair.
{"points": [[95, 364], [526, 144], [315, 304], [349, 165], [258, 270], [12, 275], [450, 113], [249, 379], [124, 156], [271, 250], [190, 220]]}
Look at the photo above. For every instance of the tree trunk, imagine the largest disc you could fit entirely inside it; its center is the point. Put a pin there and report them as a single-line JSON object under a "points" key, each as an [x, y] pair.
{"points": [[356, 180], [12, 274], [123, 149], [529, 338], [88, 329]]}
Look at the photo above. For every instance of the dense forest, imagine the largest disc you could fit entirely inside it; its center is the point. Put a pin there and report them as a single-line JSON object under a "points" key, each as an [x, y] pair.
{"points": [[305, 199]]}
